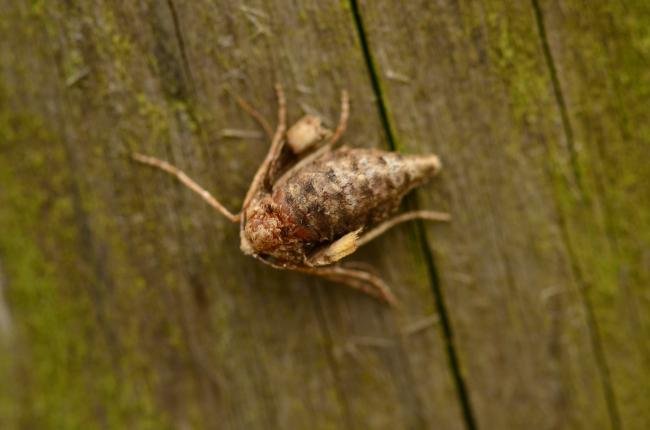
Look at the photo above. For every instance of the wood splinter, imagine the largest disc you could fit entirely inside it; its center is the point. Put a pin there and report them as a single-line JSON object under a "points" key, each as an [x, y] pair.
{"points": [[327, 201]]}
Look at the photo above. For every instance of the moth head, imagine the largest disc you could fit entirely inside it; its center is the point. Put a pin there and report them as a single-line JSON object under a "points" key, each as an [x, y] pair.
{"points": [[263, 227]]}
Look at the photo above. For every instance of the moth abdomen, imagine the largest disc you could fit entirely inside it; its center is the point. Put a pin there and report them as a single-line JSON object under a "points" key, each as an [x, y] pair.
{"points": [[351, 188]]}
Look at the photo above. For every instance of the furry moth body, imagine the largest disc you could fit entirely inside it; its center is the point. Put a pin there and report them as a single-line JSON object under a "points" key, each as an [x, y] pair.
{"points": [[325, 204], [340, 192]]}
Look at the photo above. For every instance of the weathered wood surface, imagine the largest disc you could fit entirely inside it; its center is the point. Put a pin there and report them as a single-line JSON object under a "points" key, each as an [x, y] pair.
{"points": [[124, 301]]}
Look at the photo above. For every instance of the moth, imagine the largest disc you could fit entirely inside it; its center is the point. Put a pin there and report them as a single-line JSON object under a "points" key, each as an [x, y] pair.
{"points": [[311, 203]]}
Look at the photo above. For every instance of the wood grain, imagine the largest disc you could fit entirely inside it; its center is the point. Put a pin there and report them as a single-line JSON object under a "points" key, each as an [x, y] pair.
{"points": [[470, 81], [130, 305], [197, 334], [600, 55]]}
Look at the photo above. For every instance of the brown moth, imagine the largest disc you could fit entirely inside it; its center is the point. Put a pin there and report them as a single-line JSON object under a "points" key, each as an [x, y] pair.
{"points": [[309, 204]]}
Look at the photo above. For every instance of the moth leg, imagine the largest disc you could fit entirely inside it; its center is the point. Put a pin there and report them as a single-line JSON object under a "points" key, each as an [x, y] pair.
{"points": [[254, 113], [336, 250], [336, 136], [407, 216], [307, 132], [360, 280], [187, 181], [343, 119], [274, 150]]}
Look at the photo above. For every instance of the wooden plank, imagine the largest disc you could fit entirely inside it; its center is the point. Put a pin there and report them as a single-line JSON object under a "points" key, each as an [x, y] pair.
{"points": [[469, 80], [159, 320], [321, 54], [600, 54], [62, 370]]}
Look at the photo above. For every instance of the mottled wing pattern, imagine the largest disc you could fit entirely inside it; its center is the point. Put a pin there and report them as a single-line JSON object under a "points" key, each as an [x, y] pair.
{"points": [[348, 189]]}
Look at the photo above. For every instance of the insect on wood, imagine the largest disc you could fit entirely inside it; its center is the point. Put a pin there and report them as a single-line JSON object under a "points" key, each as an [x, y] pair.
{"points": [[310, 204]]}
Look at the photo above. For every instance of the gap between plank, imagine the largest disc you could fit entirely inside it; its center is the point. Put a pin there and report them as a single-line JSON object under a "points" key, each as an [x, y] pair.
{"points": [[181, 46], [261, 379], [320, 312], [592, 323], [452, 355], [559, 96]]}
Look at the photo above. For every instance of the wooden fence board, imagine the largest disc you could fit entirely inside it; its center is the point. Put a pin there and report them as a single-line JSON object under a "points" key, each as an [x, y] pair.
{"points": [[126, 303], [470, 81], [601, 54], [193, 333]]}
